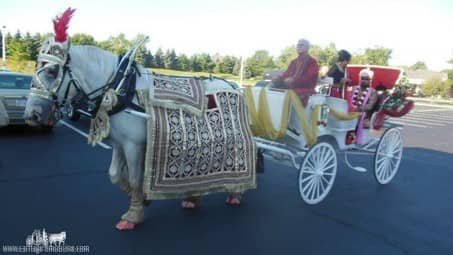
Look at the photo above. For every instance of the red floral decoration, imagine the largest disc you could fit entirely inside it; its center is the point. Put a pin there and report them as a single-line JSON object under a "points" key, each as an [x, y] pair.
{"points": [[60, 25]]}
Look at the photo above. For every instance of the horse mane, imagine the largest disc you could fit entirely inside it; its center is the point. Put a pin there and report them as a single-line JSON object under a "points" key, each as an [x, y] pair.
{"points": [[94, 64], [96, 54]]}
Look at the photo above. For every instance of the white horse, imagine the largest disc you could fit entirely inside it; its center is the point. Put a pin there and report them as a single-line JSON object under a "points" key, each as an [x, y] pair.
{"points": [[89, 68], [57, 239]]}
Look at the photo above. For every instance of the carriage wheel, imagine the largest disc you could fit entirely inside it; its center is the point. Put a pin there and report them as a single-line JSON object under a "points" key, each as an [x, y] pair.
{"points": [[388, 154], [317, 173]]}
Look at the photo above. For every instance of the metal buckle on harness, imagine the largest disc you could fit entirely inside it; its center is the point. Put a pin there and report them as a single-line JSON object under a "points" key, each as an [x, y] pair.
{"points": [[121, 92], [91, 106]]}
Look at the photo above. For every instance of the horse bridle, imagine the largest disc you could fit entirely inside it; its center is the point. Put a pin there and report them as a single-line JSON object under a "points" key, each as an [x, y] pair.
{"points": [[62, 61], [54, 54]]}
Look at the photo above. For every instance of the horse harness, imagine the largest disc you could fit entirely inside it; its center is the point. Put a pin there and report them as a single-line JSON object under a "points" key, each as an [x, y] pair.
{"points": [[125, 95]]}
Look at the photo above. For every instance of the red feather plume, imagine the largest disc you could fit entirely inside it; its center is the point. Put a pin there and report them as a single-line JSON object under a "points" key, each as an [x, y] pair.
{"points": [[60, 25]]}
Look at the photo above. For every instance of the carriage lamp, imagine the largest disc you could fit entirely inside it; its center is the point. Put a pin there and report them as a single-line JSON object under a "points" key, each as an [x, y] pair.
{"points": [[323, 115]]}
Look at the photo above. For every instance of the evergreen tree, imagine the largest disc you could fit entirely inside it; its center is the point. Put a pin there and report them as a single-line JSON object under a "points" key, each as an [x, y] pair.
{"points": [[159, 59], [36, 42], [142, 50], [18, 53], [28, 44], [148, 59], [206, 63], [167, 60], [183, 62], [18, 35], [195, 64], [227, 64], [172, 60]]}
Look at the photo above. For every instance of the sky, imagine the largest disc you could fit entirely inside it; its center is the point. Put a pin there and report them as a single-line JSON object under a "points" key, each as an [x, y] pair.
{"points": [[415, 30]]}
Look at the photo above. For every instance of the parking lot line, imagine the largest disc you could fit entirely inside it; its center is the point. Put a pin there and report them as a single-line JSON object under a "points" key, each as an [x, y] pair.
{"points": [[407, 124], [80, 132]]}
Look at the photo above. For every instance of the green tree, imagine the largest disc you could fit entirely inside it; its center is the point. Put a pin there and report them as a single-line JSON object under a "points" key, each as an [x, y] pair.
{"points": [[171, 60], [148, 59], [28, 44], [36, 42], [206, 62], [436, 87], [419, 65], [19, 53], [287, 54], [325, 56], [237, 66], [82, 39], [195, 64], [258, 62], [237, 69], [183, 62], [118, 45], [18, 35], [159, 59], [378, 56], [141, 52], [226, 64], [359, 59]]}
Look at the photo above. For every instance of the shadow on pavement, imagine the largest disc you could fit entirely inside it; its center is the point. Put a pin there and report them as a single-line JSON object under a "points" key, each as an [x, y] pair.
{"points": [[22, 130]]}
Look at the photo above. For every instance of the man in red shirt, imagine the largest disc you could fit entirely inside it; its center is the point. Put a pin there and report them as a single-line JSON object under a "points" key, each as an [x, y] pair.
{"points": [[302, 73]]}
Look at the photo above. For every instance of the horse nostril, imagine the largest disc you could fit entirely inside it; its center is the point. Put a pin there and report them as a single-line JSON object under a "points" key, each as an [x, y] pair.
{"points": [[35, 116]]}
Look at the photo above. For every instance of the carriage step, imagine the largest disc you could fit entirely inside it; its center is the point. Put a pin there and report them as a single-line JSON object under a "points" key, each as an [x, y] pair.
{"points": [[278, 151]]}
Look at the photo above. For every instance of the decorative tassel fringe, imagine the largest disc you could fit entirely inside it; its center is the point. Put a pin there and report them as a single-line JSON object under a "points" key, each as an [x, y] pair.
{"points": [[100, 125]]}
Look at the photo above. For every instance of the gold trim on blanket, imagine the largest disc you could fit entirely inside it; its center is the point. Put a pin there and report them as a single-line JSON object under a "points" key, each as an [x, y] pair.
{"points": [[176, 92]]}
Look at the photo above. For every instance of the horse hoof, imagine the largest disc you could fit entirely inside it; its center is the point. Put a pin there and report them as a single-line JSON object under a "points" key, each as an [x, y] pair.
{"points": [[125, 225], [233, 201], [188, 205]]}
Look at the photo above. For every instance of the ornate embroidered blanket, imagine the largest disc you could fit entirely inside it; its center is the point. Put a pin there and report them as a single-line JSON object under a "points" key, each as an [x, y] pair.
{"points": [[179, 92], [191, 156]]}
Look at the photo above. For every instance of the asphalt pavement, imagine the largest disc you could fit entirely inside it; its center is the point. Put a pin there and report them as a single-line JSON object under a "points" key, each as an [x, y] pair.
{"points": [[58, 182]]}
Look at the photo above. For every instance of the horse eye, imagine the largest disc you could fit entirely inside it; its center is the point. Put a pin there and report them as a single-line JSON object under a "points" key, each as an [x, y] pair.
{"points": [[52, 71]]}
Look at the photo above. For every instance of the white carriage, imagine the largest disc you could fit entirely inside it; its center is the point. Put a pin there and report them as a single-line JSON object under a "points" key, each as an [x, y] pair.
{"points": [[328, 119]]}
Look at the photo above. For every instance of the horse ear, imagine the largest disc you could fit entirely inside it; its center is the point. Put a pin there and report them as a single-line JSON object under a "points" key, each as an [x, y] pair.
{"points": [[60, 25]]}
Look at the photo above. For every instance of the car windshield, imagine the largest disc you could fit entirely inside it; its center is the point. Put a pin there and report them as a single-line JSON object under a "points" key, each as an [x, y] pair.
{"points": [[14, 81]]}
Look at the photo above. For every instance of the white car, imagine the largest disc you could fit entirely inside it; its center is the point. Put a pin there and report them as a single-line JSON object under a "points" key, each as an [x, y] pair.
{"points": [[14, 89]]}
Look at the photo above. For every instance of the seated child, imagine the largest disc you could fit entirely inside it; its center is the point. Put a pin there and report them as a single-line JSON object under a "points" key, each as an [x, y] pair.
{"points": [[359, 94]]}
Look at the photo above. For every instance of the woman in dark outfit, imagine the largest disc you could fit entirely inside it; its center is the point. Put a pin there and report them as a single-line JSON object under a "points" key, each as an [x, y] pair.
{"points": [[337, 73]]}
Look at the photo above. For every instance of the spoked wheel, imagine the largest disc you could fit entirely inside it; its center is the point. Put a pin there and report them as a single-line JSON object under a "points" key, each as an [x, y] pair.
{"points": [[388, 154], [317, 173]]}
